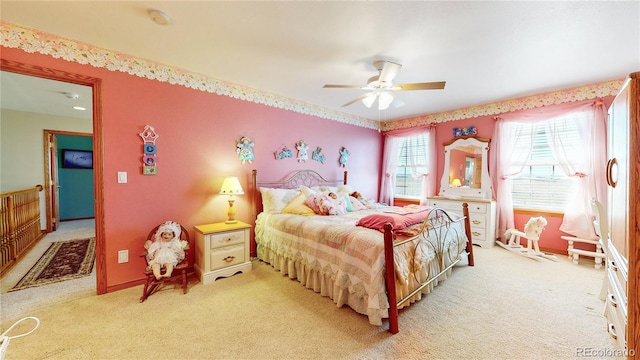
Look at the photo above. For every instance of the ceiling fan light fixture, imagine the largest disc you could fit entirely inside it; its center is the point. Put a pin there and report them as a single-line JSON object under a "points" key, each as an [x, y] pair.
{"points": [[384, 100], [368, 101]]}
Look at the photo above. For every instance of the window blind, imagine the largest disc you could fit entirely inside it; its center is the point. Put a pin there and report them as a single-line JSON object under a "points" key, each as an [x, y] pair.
{"points": [[411, 147], [542, 184]]}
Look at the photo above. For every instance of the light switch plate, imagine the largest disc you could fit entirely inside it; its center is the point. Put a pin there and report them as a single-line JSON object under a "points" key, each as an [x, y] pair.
{"points": [[123, 256], [122, 177]]}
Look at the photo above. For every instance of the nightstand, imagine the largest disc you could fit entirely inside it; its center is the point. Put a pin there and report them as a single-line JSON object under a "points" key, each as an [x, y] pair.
{"points": [[222, 250]]}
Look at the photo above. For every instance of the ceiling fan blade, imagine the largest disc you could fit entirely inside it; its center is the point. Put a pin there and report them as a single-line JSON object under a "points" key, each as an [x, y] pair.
{"points": [[420, 86], [358, 99], [344, 86], [389, 71]]}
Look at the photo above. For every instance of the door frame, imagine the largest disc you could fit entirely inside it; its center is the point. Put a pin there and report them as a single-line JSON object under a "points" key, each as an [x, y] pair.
{"points": [[98, 156]]}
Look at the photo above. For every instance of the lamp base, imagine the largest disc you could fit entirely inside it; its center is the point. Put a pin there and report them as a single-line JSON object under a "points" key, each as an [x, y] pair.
{"points": [[231, 221]]}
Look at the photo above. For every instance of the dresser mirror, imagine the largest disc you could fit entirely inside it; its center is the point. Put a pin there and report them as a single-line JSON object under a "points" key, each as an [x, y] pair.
{"points": [[466, 173]]}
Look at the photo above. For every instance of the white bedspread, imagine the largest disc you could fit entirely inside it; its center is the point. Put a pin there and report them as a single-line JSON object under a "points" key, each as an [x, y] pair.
{"points": [[332, 256]]}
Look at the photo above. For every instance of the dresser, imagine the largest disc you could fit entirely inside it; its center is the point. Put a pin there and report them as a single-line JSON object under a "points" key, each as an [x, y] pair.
{"points": [[222, 250], [482, 216], [622, 308]]}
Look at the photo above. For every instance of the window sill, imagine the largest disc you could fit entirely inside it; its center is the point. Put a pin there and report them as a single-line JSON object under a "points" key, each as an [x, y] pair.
{"points": [[538, 212], [405, 201]]}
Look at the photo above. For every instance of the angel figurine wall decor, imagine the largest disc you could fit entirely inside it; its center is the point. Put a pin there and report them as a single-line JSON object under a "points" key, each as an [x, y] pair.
{"points": [[344, 156], [244, 148]]}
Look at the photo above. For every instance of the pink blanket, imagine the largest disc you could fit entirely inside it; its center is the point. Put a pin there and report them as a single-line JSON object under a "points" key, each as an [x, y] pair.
{"points": [[398, 218]]}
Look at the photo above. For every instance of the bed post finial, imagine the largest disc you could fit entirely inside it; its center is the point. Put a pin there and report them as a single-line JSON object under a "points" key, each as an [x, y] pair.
{"points": [[344, 181]]}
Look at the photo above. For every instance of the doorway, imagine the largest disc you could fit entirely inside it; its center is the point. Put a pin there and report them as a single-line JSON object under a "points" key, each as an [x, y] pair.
{"points": [[68, 190], [95, 84]]}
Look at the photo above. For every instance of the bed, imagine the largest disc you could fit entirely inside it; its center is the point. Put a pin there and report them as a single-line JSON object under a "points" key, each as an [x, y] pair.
{"points": [[376, 259]]}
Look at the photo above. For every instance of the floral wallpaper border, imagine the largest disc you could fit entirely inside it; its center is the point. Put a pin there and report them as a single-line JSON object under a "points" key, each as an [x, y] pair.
{"points": [[34, 41]]}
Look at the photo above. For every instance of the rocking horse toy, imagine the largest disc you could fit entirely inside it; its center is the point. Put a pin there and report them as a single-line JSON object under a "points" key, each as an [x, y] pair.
{"points": [[532, 231]]}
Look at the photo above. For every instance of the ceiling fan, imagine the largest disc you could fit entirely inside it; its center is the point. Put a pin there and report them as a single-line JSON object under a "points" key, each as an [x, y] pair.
{"points": [[381, 86]]}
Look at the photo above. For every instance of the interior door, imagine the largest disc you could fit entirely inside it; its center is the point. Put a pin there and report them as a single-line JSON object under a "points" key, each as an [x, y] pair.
{"points": [[55, 183]]}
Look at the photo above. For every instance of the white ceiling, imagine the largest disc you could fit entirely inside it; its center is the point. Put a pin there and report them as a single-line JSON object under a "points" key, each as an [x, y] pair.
{"points": [[486, 51], [27, 93]]}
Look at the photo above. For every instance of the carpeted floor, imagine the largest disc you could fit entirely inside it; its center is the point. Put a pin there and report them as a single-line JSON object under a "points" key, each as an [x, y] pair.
{"points": [[506, 307], [15, 303]]}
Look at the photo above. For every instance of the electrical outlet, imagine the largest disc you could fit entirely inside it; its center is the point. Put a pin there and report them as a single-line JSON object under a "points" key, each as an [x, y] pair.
{"points": [[123, 256]]}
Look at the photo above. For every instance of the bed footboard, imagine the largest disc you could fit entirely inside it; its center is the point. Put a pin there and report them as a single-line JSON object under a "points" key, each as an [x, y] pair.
{"points": [[389, 245]]}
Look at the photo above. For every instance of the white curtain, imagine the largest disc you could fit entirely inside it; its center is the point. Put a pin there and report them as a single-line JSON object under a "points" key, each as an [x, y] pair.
{"points": [[389, 165], [586, 166], [392, 143], [513, 147]]}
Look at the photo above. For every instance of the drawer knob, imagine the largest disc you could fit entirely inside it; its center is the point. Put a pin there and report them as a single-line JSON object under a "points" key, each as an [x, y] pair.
{"points": [[612, 332], [476, 222], [476, 233], [229, 258], [613, 301]]}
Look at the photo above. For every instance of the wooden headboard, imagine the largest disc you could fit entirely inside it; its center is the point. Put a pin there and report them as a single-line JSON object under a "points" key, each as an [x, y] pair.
{"points": [[307, 178]]}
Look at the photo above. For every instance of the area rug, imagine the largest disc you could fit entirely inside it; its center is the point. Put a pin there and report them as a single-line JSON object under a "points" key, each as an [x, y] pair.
{"points": [[64, 260]]}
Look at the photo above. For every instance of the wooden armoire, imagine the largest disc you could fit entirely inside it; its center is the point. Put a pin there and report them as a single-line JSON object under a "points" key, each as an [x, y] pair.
{"points": [[623, 212]]}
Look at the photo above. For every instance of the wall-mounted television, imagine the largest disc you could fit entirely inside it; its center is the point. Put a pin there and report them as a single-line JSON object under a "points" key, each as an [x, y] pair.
{"points": [[77, 159]]}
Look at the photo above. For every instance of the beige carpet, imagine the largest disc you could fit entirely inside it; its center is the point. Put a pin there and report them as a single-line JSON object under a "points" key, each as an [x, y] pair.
{"points": [[506, 307], [16, 303]]}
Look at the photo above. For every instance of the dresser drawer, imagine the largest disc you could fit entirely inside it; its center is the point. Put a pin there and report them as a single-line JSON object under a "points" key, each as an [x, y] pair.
{"points": [[480, 208], [447, 205], [478, 234], [227, 256], [228, 238], [616, 326], [478, 221], [617, 294]]}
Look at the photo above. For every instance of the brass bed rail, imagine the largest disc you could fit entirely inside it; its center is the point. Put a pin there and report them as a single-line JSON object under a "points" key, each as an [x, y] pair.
{"points": [[389, 245]]}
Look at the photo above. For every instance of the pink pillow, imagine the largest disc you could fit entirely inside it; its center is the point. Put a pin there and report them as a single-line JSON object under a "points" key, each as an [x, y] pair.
{"points": [[357, 205]]}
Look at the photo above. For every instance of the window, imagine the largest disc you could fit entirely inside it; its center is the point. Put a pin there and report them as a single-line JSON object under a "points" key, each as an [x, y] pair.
{"points": [[413, 155], [542, 184]]}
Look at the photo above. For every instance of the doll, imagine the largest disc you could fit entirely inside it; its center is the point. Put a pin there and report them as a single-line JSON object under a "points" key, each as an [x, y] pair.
{"points": [[166, 250]]}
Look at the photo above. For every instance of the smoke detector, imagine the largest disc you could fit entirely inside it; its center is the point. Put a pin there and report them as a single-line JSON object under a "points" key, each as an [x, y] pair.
{"points": [[72, 96], [159, 17]]}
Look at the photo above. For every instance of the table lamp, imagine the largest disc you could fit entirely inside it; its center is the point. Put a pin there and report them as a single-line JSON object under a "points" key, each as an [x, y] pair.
{"points": [[456, 183], [231, 186]]}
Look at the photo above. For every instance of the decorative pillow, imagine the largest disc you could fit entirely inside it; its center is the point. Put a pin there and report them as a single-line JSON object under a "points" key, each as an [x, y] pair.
{"points": [[306, 191], [298, 207], [357, 205], [347, 202], [343, 190], [274, 200], [324, 189]]}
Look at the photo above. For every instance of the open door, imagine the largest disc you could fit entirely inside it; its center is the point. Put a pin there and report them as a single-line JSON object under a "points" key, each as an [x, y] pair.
{"points": [[53, 185]]}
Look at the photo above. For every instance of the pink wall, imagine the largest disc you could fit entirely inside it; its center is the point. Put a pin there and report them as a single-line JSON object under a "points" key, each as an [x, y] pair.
{"points": [[196, 150]]}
